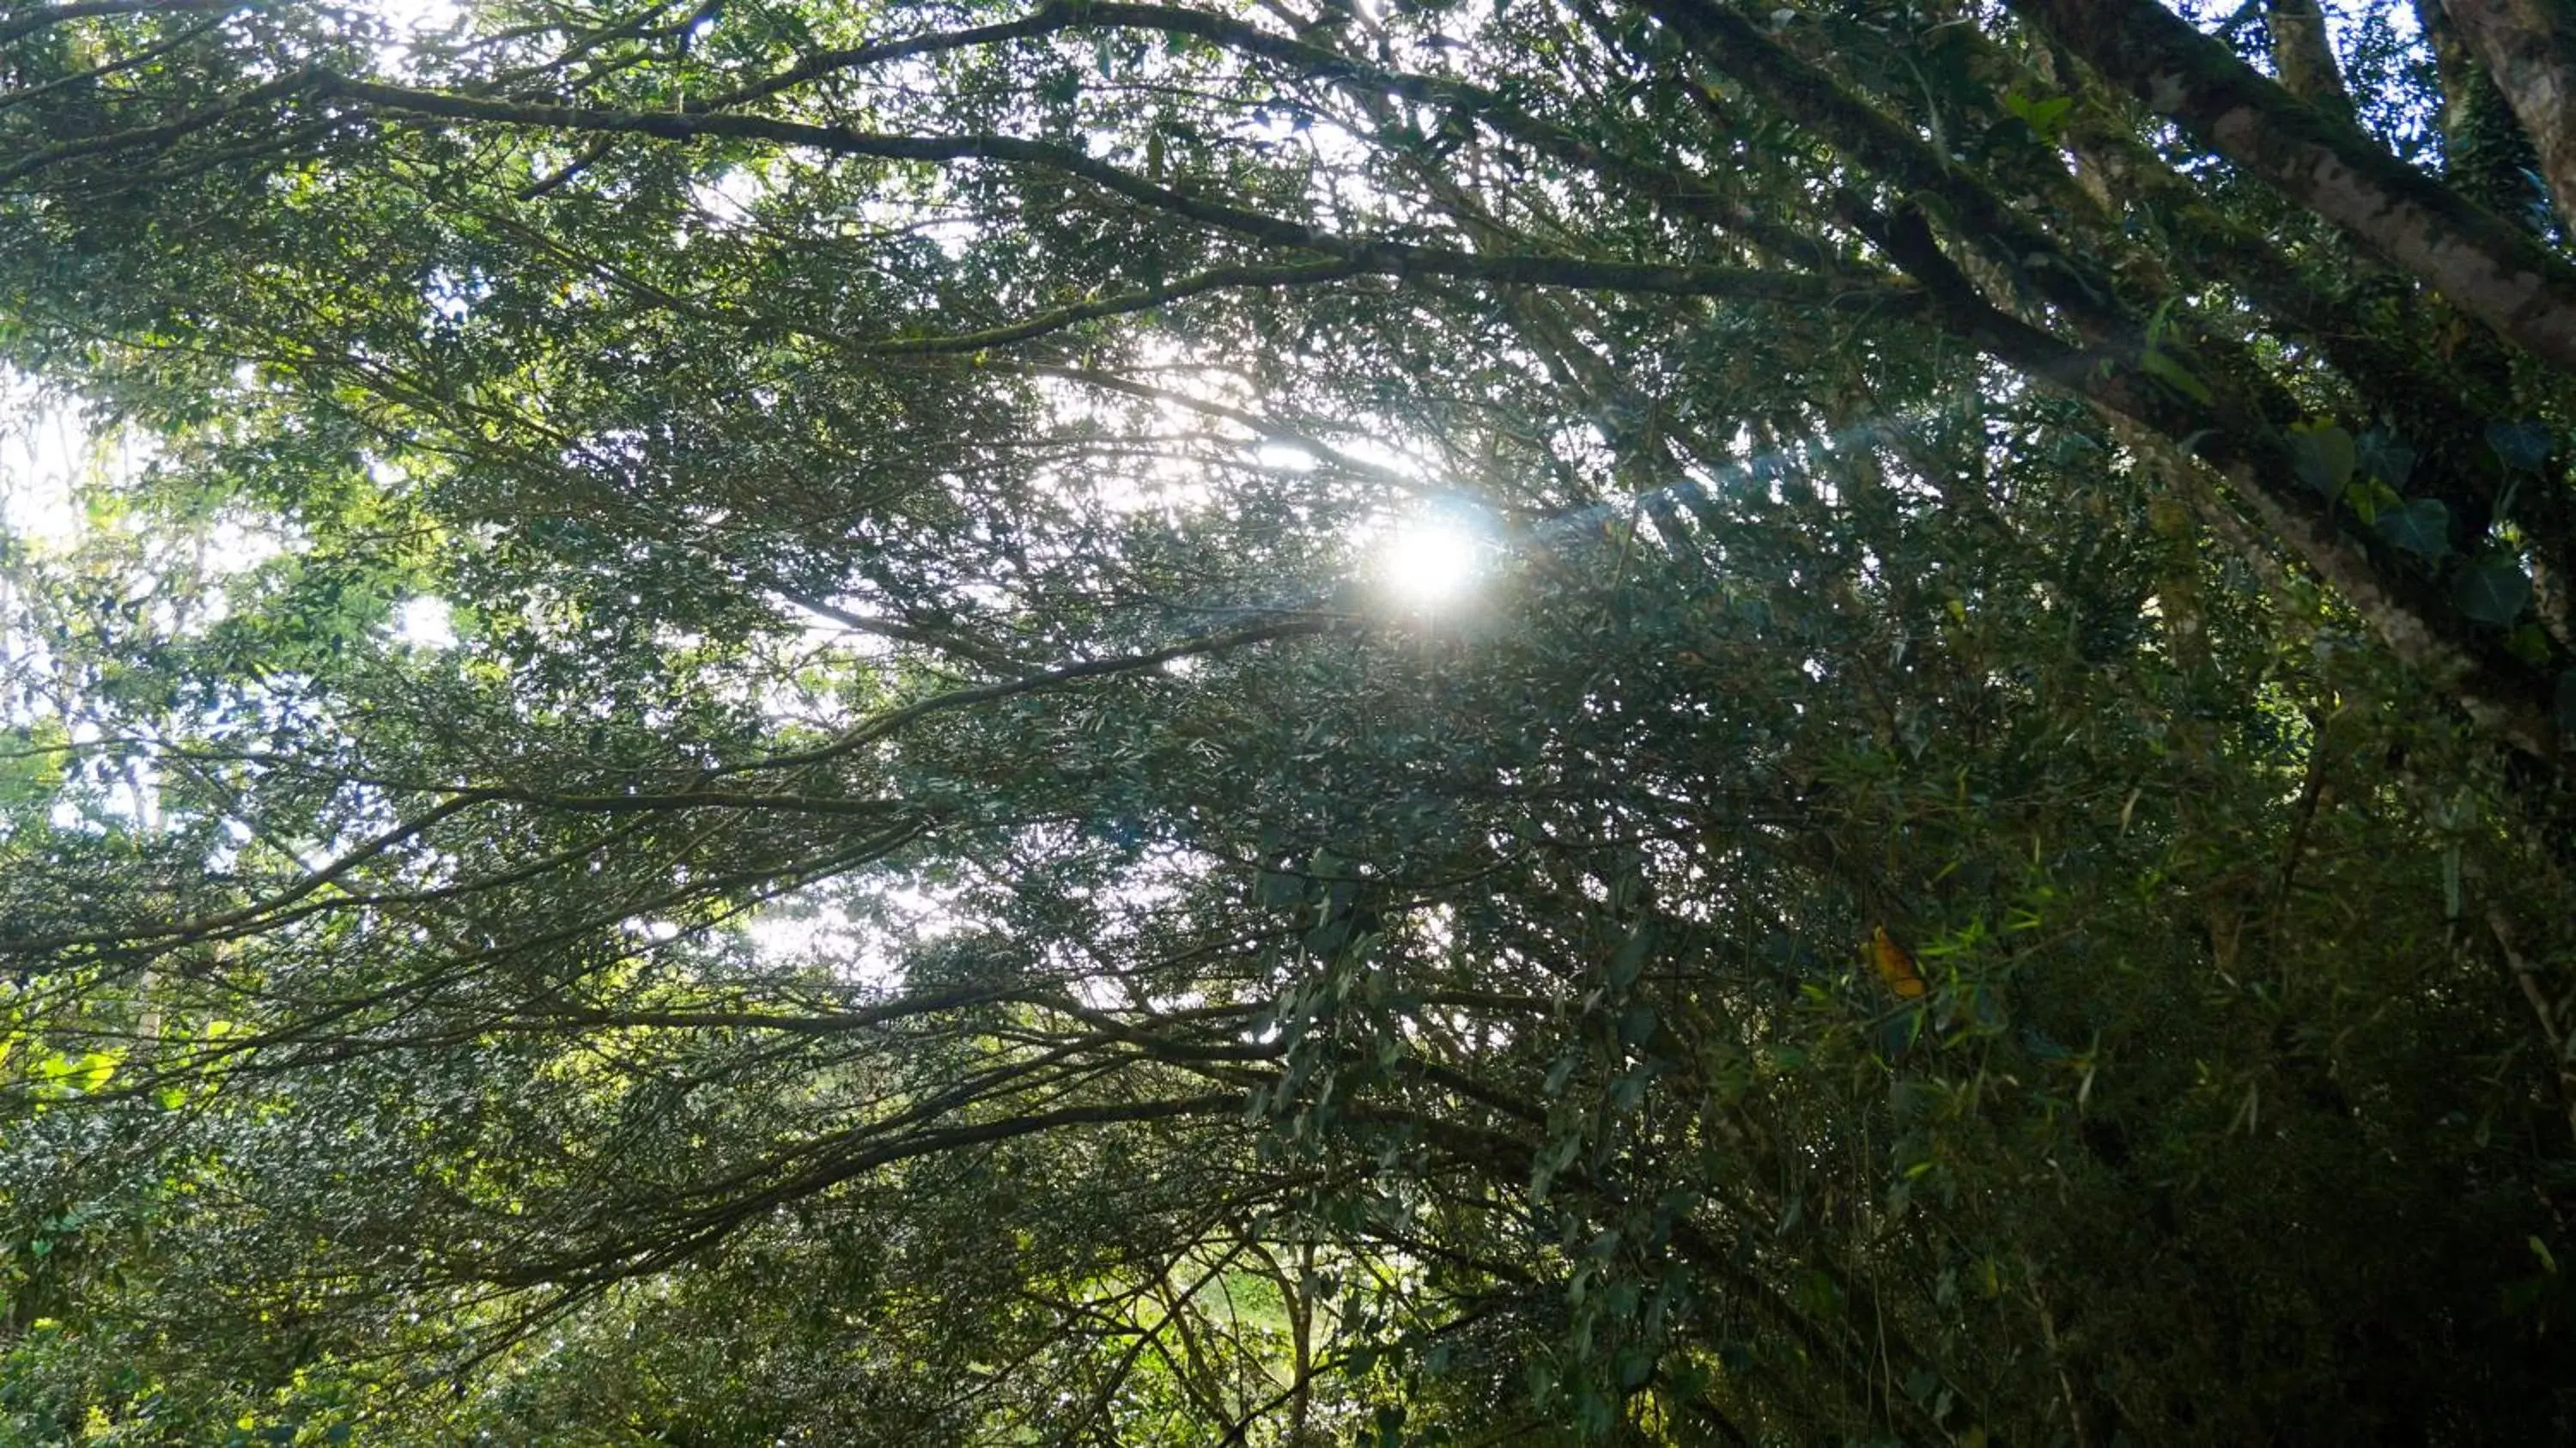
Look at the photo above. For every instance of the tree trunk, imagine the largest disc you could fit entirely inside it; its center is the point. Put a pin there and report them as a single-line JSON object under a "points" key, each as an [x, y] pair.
{"points": [[2304, 57]]}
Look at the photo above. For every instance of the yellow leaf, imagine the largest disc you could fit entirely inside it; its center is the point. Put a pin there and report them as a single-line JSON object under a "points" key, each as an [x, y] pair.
{"points": [[1894, 966]]}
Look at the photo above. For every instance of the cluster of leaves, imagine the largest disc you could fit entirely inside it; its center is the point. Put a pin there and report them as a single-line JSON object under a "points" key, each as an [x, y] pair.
{"points": [[1985, 859]]}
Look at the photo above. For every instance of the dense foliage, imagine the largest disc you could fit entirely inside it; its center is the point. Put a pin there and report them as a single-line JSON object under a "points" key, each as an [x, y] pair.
{"points": [[732, 740]]}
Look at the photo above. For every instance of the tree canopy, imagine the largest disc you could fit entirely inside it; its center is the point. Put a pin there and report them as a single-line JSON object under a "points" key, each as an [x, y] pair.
{"points": [[1312, 721]]}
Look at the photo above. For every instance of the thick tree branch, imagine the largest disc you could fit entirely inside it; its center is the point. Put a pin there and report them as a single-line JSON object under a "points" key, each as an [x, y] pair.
{"points": [[149, 137], [2508, 697], [2487, 267], [2529, 50], [2304, 55], [1818, 103]]}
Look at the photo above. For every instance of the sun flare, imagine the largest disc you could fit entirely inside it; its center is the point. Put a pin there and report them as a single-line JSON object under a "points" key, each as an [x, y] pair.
{"points": [[1434, 558]]}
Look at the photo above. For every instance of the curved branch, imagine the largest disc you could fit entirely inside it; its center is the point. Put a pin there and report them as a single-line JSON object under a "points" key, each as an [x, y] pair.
{"points": [[145, 137], [1374, 257], [717, 1222], [1814, 99], [888, 723], [2511, 699], [2529, 50], [2304, 55], [2486, 266], [46, 17]]}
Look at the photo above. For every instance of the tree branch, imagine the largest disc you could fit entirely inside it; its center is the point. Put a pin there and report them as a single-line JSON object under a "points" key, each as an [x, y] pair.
{"points": [[46, 17], [2529, 50], [2486, 266], [1384, 258]]}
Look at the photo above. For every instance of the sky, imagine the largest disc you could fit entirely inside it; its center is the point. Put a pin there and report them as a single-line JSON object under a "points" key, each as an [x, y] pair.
{"points": [[41, 444]]}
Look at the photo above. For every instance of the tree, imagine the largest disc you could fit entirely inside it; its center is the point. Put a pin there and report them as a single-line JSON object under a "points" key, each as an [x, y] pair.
{"points": [[933, 895]]}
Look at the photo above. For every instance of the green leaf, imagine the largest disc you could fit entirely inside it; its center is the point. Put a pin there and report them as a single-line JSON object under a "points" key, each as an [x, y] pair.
{"points": [[1330, 936], [1271, 888], [2044, 115], [2370, 499], [2492, 593], [1630, 962], [2422, 526], [2522, 445], [2382, 456], [1636, 1365], [1560, 1073], [2173, 374], [2324, 457]]}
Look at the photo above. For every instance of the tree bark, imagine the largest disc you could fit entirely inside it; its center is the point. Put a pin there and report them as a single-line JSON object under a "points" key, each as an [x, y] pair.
{"points": [[2486, 266], [2304, 56], [2529, 50]]}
